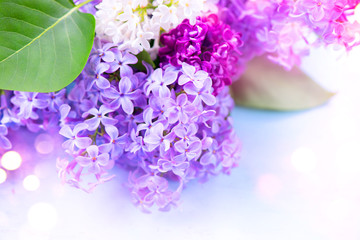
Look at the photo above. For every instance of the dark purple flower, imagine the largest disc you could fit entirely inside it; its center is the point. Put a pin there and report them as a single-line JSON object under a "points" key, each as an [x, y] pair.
{"points": [[209, 45]]}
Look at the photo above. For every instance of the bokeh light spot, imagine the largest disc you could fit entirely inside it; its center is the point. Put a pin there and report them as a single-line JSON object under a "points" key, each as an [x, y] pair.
{"points": [[31, 183], [304, 160], [44, 144], [3, 175], [11, 160], [42, 216]]}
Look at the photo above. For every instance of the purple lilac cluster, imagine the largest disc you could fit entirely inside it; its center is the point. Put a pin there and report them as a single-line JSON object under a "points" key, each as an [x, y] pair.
{"points": [[285, 30], [35, 111], [209, 45], [164, 125]]}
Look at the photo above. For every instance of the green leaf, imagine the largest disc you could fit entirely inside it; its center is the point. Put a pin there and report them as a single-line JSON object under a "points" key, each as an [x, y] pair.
{"points": [[143, 56], [266, 85], [44, 44]]}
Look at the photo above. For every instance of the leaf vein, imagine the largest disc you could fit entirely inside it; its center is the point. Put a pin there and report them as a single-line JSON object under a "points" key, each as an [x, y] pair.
{"points": [[23, 22], [80, 30], [34, 9], [45, 31], [61, 4], [16, 33], [8, 48]]}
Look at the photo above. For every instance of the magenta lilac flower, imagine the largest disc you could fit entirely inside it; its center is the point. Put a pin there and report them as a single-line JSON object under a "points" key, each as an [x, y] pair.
{"points": [[209, 45]]}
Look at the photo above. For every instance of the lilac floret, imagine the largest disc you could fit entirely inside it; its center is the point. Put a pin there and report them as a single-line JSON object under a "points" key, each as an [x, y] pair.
{"points": [[80, 142], [94, 161], [99, 117], [28, 102], [122, 62], [124, 97]]}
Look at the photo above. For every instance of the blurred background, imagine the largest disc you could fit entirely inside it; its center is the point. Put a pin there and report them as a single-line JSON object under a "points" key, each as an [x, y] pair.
{"points": [[299, 178]]}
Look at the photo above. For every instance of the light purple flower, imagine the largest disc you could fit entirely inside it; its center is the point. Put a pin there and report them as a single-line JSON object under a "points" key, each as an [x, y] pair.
{"points": [[179, 110], [231, 153], [140, 202], [156, 138], [148, 117], [188, 151], [158, 82], [4, 141], [157, 104], [122, 61], [94, 161], [186, 133], [212, 154], [116, 143], [62, 168], [75, 140], [137, 143], [175, 164], [159, 192], [99, 80], [56, 99], [202, 93], [99, 117], [191, 75], [205, 117], [102, 52], [124, 96], [27, 101], [318, 8]]}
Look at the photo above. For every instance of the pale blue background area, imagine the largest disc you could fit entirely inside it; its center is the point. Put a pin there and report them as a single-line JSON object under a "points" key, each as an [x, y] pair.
{"points": [[267, 197]]}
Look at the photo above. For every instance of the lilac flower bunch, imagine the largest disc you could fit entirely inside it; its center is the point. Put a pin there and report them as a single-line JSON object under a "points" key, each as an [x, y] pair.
{"points": [[163, 125], [166, 117], [286, 30]]}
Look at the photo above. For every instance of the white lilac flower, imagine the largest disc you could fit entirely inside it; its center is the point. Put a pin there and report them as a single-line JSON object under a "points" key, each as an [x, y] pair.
{"points": [[132, 24]]}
